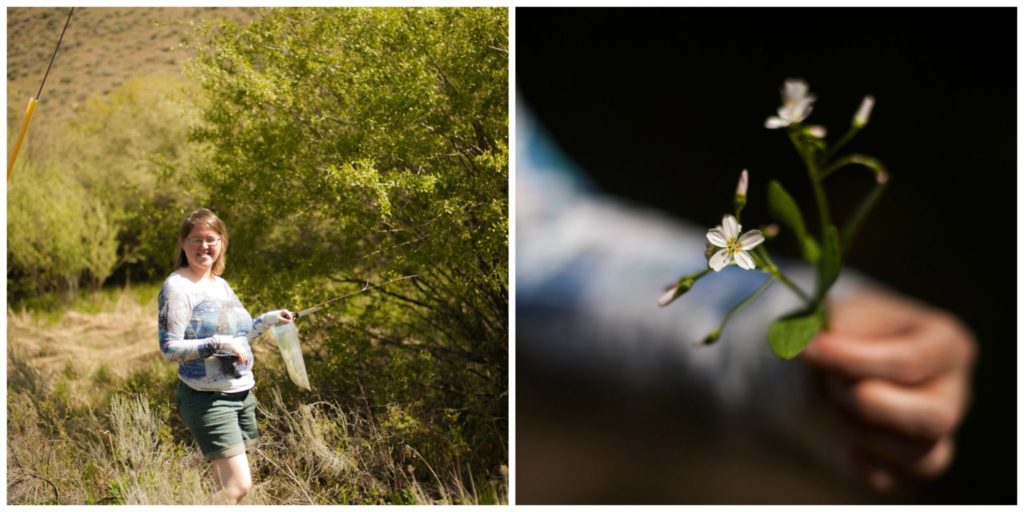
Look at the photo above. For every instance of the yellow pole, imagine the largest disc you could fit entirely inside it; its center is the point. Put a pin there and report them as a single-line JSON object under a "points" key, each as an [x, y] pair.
{"points": [[21, 136]]}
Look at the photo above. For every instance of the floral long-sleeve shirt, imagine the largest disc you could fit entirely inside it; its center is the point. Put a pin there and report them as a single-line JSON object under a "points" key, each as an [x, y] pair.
{"points": [[199, 320]]}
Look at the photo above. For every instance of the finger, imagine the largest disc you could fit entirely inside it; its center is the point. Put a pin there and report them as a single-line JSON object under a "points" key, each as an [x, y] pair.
{"points": [[927, 412], [934, 346], [880, 476], [873, 313], [915, 458]]}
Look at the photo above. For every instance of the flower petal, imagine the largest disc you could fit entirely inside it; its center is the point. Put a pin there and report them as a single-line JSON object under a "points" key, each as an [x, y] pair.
{"points": [[730, 228], [794, 89], [751, 239], [719, 260], [716, 237], [803, 109], [774, 122], [743, 260]]}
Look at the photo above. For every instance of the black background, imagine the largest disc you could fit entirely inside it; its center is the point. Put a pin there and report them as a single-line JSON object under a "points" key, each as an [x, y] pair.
{"points": [[666, 106]]}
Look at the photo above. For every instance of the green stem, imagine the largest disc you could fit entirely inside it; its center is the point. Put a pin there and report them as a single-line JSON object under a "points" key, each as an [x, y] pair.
{"points": [[683, 285], [769, 266], [853, 224], [881, 175], [693, 277], [812, 172], [842, 142], [819, 197], [713, 336]]}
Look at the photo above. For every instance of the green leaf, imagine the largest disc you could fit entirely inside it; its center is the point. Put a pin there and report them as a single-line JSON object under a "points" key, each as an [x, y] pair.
{"points": [[782, 206], [790, 334], [811, 251], [828, 267]]}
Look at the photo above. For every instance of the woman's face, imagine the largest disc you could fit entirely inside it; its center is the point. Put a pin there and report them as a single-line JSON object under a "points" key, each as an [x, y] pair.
{"points": [[202, 246]]}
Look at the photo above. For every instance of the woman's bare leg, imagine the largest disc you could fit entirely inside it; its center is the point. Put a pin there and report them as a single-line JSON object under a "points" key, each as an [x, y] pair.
{"points": [[234, 478]]}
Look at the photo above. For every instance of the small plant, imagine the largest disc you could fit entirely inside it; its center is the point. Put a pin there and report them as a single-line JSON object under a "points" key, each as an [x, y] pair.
{"points": [[729, 245]]}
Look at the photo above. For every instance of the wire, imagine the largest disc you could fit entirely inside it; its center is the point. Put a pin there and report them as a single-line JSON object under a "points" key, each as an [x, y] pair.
{"points": [[54, 56]]}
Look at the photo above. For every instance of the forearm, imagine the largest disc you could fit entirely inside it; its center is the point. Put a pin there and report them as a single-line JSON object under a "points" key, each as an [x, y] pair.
{"points": [[587, 304], [261, 323], [189, 349]]}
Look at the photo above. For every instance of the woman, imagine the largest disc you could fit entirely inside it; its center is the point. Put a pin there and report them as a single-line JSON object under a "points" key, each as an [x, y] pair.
{"points": [[206, 330]]}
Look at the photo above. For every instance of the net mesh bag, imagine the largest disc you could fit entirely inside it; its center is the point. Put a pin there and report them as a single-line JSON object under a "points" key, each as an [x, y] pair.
{"points": [[287, 338]]}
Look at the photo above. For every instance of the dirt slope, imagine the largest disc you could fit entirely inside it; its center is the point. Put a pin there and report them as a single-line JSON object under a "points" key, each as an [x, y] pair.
{"points": [[101, 49]]}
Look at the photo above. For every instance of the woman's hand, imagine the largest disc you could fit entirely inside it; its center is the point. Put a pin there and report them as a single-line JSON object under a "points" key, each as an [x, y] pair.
{"points": [[228, 345], [278, 316], [285, 316], [903, 371]]}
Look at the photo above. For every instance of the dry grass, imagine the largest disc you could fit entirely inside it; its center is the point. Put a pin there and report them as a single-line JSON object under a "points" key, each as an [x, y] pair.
{"points": [[86, 427], [78, 345]]}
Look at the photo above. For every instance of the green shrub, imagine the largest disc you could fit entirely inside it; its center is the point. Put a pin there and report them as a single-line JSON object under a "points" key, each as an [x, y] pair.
{"points": [[122, 167], [355, 145], [55, 240]]}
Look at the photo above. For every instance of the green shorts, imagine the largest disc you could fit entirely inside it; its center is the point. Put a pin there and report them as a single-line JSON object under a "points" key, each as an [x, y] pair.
{"points": [[222, 423]]}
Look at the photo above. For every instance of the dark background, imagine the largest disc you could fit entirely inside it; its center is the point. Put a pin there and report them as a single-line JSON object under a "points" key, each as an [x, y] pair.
{"points": [[665, 106]]}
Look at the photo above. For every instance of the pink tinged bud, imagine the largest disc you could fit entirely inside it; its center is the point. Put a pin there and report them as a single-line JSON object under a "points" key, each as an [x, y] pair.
{"points": [[676, 290], [817, 131], [741, 187], [881, 177], [770, 231], [864, 112]]}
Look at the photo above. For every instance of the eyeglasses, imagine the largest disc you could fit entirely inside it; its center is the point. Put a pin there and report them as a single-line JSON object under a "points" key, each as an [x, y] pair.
{"points": [[198, 242]]}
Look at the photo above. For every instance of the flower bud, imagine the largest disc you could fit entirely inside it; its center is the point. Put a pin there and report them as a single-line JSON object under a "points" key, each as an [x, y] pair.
{"points": [[741, 187], [675, 291], [712, 337], [864, 111], [816, 130], [741, 192]]}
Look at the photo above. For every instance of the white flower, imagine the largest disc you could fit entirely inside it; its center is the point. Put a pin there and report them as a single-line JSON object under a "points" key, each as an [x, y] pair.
{"points": [[734, 247], [796, 105], [864, 111]]}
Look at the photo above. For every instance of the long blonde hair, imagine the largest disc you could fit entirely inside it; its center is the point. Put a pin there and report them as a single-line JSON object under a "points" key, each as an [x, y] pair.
{"points": [[203, 216]]}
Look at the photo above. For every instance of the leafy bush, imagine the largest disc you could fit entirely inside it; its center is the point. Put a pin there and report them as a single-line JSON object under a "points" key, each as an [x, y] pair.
{"points": [[55, 240], [123, 167], [357, 145], [131, 149]]}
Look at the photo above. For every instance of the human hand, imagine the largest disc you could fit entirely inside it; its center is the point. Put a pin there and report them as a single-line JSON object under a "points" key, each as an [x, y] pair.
{"points": [[903, 370], [285, 316], [228, 345], [279, 316]]}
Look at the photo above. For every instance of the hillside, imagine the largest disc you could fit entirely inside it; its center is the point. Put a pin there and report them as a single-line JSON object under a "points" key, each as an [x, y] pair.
{"points": [[102, 48]]}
